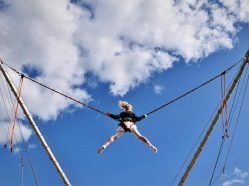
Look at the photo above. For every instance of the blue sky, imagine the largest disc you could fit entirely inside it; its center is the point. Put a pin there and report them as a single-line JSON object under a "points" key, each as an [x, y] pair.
{"points": [[144, 52]]}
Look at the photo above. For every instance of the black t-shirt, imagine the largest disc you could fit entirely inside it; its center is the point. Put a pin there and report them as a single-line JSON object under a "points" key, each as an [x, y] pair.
{"points": [[127, 116]]}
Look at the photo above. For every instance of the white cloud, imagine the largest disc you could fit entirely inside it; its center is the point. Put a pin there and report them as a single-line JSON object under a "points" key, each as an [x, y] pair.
{"points": [[32, 146], [158, 89], [122, 43], [17, 138], [126, 34], [17, 150], [238, 177], [239, 8], [233, 182], [40, 33], [239, 173]]}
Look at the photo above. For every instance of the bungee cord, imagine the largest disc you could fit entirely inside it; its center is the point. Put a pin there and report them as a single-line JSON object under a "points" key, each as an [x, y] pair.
{"points": [[222, 74], [104, 113], [194, 89], [53, 90]]}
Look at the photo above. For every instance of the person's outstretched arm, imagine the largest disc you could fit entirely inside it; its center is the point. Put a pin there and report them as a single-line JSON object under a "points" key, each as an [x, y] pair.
{"points": [[113, 116], [140, 117]]}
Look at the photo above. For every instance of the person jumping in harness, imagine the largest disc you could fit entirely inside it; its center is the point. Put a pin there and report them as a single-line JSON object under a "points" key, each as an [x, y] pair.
{"points": [[127, 123]]}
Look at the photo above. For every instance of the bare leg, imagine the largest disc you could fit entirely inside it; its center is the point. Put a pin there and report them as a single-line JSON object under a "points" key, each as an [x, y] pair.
{"points": [[142, 138], [120, 132]]}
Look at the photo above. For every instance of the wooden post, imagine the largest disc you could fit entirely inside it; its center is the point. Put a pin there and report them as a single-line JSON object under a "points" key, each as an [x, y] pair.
{"points": [[34, 126], [214, 121]]}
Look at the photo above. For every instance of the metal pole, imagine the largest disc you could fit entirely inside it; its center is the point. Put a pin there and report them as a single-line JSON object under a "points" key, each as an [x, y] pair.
{"points": [[214, 121], [34, 126]]}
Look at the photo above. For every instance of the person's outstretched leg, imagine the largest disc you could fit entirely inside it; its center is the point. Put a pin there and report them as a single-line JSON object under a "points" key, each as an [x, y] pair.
{"points": [[142, 138], [120, 132]]}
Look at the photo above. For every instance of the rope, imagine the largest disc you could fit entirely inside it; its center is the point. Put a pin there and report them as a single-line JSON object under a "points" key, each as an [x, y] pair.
{"points": [[237, 121], [29, 159], [7, 136], [22, 164], [101, 112], [56, 91], [6, 112], [226, 111], [197, 140], [22, 167], [194, 89], [203, 130], [11, 102], [222, 171], [229, 119], [225, 126], [217, 159], [223, 93], [225, 133], [16, 111], [192, 149]]}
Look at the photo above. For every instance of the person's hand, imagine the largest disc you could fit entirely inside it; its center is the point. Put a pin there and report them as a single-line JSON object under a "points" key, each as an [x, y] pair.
{"points": [[108, 114], [145, 115]]}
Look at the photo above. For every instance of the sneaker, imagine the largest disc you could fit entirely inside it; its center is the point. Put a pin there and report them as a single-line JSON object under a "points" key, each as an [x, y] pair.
{"points": [[101, 150]]}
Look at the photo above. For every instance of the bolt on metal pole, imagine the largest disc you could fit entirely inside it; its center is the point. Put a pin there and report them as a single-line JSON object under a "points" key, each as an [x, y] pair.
{"points": [[34, 126], [214, 121]]}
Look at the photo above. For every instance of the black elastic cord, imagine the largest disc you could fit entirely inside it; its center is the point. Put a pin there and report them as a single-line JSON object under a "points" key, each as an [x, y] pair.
{"points": [[194, 89], [56, 91]]}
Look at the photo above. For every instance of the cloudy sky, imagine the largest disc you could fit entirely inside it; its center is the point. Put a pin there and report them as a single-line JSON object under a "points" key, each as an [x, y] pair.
{"points": [[99, 52]]}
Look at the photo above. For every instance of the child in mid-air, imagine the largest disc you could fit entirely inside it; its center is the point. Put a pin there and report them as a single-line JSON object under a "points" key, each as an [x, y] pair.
{"points": [[127, 123]]}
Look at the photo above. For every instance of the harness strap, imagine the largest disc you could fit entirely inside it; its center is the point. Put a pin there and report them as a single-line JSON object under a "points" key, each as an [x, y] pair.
{"points": [[126, 129]]}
